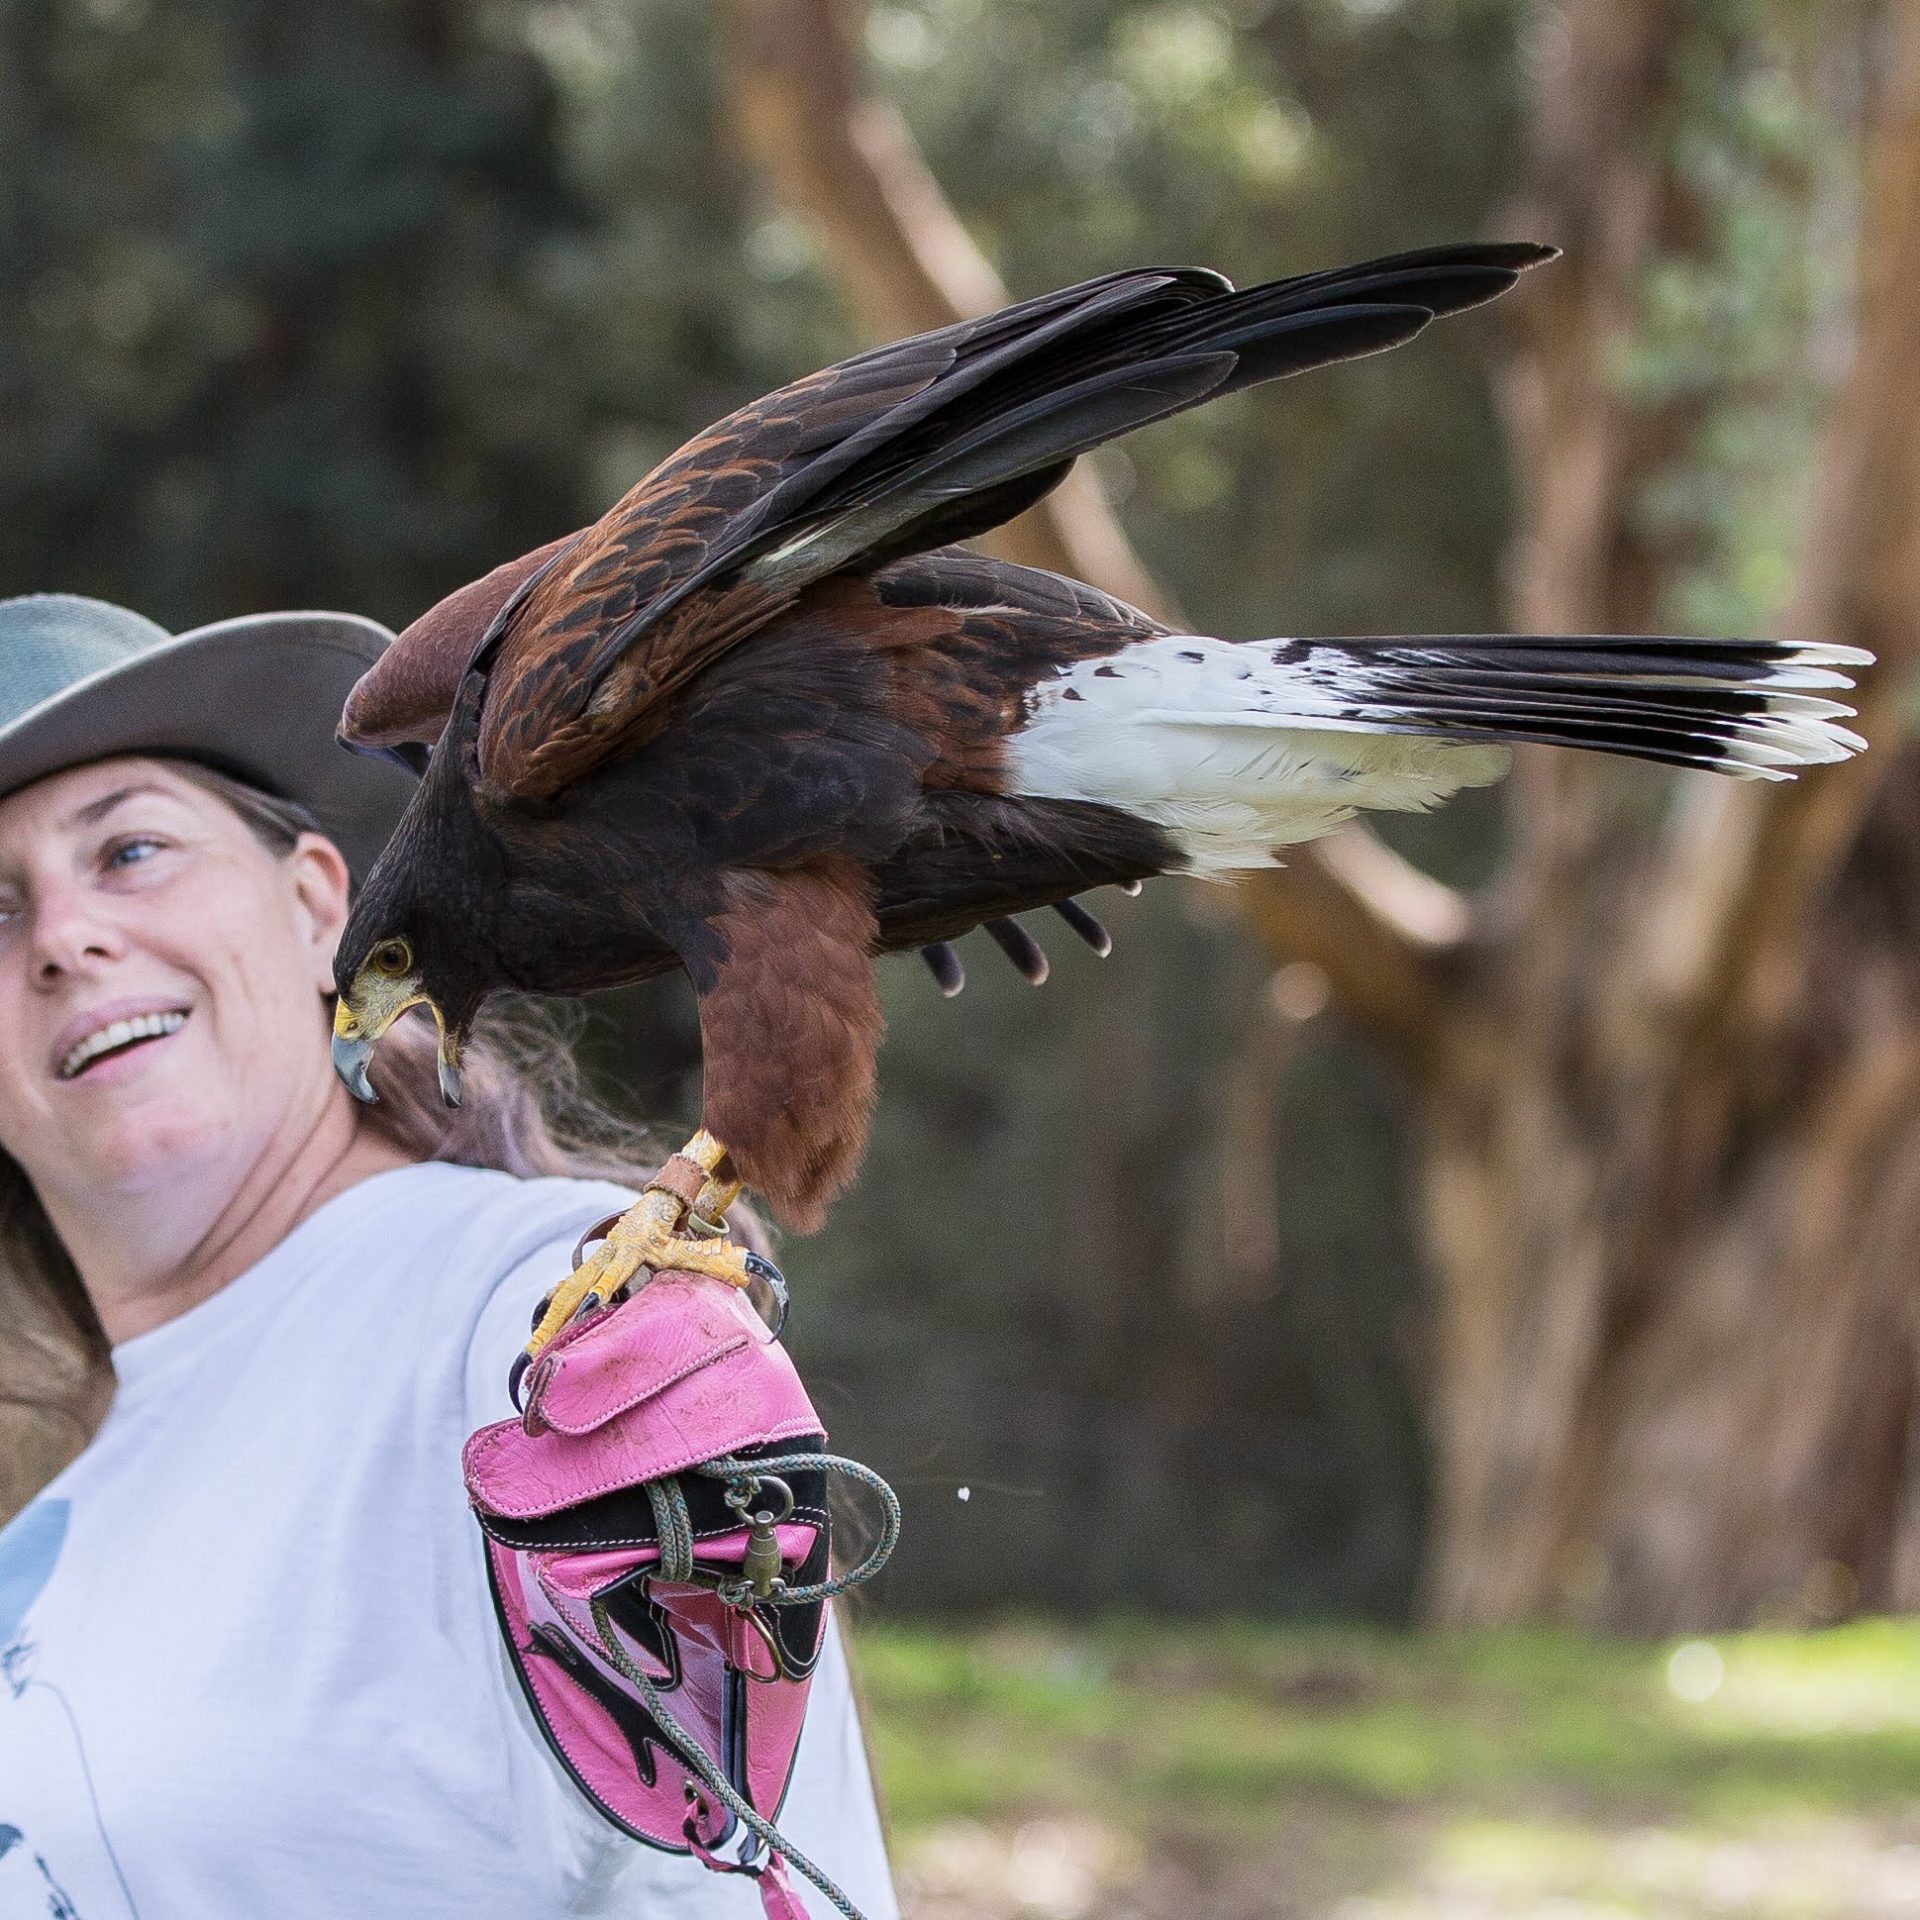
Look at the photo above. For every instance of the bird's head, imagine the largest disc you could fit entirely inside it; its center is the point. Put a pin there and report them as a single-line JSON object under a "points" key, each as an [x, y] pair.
{"points": [[383, 968]]}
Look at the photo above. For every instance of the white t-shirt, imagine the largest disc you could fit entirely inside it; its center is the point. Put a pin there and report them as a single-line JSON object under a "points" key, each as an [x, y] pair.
{"points": [[249, 1668]]}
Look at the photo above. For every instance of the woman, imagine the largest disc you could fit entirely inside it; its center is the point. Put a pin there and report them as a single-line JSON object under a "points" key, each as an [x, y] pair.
{"points": [[248, 1664]]}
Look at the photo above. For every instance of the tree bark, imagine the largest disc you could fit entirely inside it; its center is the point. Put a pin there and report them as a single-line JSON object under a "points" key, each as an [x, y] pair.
{"points": [[1669, 1085], [1667, 1169]]}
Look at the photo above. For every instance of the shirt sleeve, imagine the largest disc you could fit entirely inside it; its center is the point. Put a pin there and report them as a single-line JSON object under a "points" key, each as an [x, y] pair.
{"points": [[506, 1318]]}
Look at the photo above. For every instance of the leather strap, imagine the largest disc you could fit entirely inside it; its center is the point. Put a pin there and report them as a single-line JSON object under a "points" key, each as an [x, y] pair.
{"points": [[598, 1231], [681, 1177], [777, 1894]]}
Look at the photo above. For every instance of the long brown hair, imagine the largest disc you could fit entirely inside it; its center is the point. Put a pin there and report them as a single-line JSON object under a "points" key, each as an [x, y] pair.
{"points": [[526, 1109]]}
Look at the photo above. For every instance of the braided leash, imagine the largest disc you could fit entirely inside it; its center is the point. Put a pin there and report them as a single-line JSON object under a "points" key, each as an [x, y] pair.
{"points": [[744, 1472], [690, 1754], [675, 1526]]}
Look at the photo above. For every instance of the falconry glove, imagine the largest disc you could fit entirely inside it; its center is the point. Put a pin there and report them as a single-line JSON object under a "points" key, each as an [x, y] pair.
{"points": [[658, 1545]]}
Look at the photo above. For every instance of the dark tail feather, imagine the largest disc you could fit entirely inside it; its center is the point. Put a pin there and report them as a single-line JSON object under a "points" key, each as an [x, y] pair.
{"points": [[1758, 708]]}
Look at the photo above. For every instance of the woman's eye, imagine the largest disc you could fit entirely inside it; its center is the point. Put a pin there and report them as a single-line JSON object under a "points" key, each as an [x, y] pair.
{"points": [[131, 852]]}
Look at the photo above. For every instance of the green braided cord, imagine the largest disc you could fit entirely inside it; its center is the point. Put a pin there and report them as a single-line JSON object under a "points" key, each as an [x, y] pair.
{"points": [[693, 1756], [675, 1527], [727, 1468]]}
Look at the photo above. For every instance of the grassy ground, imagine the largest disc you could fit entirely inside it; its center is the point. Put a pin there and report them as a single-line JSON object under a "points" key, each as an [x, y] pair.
{"points": [[1139, 1773]]}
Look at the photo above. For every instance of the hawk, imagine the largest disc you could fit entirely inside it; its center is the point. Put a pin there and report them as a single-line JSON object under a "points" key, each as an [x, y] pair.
{"points": [[767, 718]]}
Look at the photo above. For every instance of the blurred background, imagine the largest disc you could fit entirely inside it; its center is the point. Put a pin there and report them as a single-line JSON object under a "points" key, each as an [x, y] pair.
{"points": [[1403, 1379]]}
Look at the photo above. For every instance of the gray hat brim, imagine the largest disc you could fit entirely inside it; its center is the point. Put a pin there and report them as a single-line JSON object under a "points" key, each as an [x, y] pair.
{"points": [[258, 696]]}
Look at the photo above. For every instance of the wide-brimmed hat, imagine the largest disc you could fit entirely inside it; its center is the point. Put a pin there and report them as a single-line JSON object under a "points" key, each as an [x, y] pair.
{"points": [[257, 697]]}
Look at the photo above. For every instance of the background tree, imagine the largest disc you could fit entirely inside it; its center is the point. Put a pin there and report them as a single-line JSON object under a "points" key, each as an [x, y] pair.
{"points": [[1112, 1399], [1665, 1062], [1601, 1159], [509, 257]]}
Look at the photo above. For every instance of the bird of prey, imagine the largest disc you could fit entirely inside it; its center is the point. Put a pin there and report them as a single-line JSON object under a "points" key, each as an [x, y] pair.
{"points": [[767, 718]]}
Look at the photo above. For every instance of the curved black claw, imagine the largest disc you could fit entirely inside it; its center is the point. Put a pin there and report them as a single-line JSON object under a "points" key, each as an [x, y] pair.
{"points": [[1085, 925], [1021, 948], [944, 964], [590, 1303], [775, 1283]]}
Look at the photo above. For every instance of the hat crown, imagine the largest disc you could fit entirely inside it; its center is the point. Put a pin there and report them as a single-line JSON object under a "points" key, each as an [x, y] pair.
{"points": [[52, 641]]}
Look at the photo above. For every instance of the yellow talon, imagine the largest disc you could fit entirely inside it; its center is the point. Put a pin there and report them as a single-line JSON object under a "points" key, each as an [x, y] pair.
{"points": [[649, 1235]]}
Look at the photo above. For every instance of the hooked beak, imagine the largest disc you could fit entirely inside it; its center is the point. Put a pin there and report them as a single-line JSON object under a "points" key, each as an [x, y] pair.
{"points": [[365, 1011], [449, 1070], [350, 1057]]}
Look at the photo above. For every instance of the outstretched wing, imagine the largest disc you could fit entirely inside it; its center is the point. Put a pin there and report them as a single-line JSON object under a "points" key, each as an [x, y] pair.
{"points": [[927, 441]]}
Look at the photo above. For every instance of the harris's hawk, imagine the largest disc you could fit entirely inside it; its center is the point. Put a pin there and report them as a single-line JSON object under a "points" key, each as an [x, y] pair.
{"points": [[766, 720]]}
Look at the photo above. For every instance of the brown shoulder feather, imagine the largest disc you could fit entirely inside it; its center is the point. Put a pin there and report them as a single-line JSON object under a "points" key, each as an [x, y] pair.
{"points": [[407, 693]]}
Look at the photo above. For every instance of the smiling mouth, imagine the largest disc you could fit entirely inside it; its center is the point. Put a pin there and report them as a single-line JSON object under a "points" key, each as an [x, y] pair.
{"points": [[120, 1036]]}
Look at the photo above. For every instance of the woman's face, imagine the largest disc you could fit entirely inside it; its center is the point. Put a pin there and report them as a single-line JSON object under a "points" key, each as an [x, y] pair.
{"points": [[162, 981]]}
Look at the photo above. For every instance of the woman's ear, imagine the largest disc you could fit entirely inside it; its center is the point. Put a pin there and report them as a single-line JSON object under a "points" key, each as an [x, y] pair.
{"points": [[321, 885]]}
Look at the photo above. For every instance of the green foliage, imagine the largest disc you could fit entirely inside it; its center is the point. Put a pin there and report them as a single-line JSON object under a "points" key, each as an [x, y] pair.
{"points": [[683, 295], [344, 305], [1218, 1723], [1262, 139], [1490, 1773], [1743, 317], [271, 331]]}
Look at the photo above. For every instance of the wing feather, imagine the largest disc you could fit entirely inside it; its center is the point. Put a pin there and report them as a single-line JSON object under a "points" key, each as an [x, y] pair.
{"points": [[927, 441]]}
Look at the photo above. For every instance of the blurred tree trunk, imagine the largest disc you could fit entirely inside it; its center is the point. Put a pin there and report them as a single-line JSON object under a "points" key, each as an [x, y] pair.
{"points": [[1669, 1076], [1672, 1168]]}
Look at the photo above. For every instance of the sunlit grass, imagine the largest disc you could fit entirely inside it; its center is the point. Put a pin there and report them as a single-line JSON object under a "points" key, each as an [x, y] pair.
{"points": [[1413, 1773]]}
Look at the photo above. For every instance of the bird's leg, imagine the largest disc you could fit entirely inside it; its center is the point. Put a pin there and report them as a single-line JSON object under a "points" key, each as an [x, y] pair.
{"points": [[789, 1023], [677, 1224]]}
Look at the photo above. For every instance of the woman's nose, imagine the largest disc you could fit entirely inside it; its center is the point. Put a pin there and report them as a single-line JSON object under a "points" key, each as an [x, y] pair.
{"points": [[70, 932]]}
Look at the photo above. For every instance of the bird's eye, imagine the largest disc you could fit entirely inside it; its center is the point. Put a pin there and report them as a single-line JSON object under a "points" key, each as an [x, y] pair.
{"points": [[392, 957]]}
